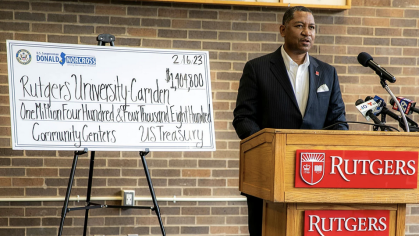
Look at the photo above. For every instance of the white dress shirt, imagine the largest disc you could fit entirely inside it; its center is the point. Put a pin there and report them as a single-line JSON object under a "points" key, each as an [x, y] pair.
{"points": [[299, 78]]}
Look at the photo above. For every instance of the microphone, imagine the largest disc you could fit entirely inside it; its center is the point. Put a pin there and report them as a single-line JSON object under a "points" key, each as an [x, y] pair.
{"points": [[366, 109], [385, 111], [366, 60], [378, 110], [407, 105], [380, 104]]}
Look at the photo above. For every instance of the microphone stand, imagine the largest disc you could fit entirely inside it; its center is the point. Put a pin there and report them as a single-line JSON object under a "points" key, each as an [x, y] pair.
{"points": [[383, 120], [385, 86]]}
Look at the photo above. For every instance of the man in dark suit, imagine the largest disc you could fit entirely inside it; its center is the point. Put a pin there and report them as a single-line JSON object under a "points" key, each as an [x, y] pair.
{"points": [[287, 89]]}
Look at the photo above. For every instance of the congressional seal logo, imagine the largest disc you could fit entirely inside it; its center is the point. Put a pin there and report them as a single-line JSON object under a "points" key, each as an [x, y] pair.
{"points": [[312, 167], [23, 56]]}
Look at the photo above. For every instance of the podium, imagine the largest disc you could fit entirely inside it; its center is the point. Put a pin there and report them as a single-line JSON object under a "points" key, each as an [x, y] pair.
{"points": [[268, 171]]}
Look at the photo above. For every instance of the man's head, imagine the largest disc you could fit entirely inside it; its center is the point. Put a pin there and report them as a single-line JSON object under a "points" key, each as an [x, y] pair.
{"points": [[298, 30]]}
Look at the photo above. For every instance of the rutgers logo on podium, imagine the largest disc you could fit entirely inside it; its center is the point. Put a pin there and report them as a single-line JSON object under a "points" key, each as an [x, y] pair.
{"points": [[312, 167]]}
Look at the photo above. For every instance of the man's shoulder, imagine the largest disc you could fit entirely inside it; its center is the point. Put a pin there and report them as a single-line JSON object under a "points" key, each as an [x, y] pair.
{"points": [[262, 60]]}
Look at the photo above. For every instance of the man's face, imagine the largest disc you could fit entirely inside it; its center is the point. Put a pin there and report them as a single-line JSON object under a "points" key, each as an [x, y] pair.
{"points": [[299, 33]]}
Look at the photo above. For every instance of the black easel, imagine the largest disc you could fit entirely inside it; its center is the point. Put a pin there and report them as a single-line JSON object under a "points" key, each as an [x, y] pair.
{"points": [[102, 40]]}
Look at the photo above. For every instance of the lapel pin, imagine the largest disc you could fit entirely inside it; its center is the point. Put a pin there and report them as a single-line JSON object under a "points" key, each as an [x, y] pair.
{"points": [[317, 73]]}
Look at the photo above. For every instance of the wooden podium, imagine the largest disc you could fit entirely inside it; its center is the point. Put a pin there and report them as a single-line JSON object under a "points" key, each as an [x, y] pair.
{"points": [[267, 171]]}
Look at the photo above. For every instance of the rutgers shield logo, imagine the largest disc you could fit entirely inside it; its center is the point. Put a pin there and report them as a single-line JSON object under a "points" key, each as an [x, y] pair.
{"points": [[312, 167]]}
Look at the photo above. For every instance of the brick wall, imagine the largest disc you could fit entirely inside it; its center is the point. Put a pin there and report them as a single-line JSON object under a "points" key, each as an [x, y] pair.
{"points": [[387, 29]]}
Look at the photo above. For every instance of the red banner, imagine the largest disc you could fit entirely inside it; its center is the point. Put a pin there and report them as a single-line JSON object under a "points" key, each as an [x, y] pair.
{"points": [[356, 169], [347, 223]]}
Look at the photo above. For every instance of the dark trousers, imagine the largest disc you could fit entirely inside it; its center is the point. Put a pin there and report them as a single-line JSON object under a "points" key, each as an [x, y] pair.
{"points": [[255, 212]]}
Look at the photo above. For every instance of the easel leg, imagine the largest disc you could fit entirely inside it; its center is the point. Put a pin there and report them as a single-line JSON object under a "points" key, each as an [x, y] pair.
{"points": [[153, 195], [70, 185], [89, 191]]}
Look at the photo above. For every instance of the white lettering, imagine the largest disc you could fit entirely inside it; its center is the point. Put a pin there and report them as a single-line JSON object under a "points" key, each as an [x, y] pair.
{"points": [[363, 166], [372, 224], [330, 224], [315, 224], [339, 223], [382, 223], [379, 169], [346, 167], [361, 222], [353, 226], [337, 166], [387, 167], [411, 167], [375, 167], [400, 168]]}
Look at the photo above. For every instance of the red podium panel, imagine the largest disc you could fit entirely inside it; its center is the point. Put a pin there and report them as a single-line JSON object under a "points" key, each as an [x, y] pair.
{"points": [[347, 223], [356, 169]]}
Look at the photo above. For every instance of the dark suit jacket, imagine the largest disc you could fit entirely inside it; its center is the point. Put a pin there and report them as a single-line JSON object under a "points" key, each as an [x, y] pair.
{"points": [[266, 98]]}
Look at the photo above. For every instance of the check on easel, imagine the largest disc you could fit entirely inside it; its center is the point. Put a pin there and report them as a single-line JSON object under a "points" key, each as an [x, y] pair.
{"points": [[70, 97]]}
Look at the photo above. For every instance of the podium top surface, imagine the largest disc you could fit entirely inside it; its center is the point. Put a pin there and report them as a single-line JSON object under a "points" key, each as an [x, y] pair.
{"points": [[371, 139], [332, 132]]}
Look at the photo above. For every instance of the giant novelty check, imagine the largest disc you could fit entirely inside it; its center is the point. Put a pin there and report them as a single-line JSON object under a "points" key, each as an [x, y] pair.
{"points": [[70, 97]]}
